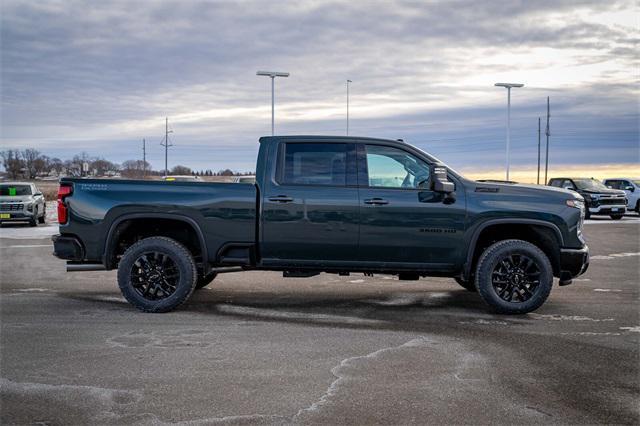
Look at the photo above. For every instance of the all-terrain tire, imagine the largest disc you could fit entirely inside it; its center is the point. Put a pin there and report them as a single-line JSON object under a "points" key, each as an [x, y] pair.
{"points": [[205, 280], [638, 207], [501, 251], [181, 258], [467, 285], [616, 216]]}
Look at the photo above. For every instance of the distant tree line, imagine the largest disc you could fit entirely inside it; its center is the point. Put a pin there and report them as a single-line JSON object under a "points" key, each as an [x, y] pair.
{"points": [[31, 164]]}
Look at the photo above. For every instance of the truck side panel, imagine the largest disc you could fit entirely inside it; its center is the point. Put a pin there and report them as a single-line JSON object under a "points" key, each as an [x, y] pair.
{"points": [[223, 212]]}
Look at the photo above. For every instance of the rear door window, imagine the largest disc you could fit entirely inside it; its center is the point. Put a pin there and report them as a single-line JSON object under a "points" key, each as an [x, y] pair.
{"points": [[314, 164]]}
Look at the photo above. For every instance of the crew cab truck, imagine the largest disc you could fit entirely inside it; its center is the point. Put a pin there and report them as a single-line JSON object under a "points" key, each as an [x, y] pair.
{"points": [[326, 204], [631, 188], [599, 200]]}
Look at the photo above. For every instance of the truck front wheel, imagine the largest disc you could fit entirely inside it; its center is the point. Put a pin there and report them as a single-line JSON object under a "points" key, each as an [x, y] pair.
{"points": [[514, 277], [157, 274]]}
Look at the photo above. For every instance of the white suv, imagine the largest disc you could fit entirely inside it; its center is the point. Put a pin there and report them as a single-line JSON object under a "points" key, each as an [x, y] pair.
{"points": [[631, 187]]}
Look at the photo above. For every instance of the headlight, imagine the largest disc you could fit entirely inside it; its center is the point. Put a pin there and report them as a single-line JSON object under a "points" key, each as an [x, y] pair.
{"points": [[29, 206], [578, 204]]}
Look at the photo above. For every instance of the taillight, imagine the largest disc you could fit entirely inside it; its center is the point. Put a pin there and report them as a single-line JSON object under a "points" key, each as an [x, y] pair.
{"points": [[64, 191]]}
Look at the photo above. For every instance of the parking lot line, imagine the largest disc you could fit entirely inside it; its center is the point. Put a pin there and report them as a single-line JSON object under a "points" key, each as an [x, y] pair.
{"points": [[28, 246]]}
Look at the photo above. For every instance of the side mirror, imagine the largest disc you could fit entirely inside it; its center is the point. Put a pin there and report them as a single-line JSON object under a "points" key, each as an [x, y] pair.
{"points": [[629, 188], [38, 193], [440, 181]]}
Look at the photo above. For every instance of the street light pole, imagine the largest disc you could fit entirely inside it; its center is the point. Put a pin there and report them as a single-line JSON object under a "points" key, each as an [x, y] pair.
{"points": [[508, 86], [348, 81], [273, 75]]}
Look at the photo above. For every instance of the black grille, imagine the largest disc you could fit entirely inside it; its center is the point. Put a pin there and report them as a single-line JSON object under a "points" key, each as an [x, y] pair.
{"points": [[10, 207], [611, 201]]}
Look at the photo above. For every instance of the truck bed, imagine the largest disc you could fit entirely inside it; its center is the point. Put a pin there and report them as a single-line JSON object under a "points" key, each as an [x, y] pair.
{"points": [[223, 212]]}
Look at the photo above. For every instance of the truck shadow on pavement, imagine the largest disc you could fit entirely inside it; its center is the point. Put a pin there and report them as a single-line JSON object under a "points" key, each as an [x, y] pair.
{"points": [[407, 311]]}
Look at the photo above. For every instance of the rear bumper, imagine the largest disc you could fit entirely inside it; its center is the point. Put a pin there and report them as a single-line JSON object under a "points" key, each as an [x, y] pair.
{"points": [[68, 248], [573, 263]]}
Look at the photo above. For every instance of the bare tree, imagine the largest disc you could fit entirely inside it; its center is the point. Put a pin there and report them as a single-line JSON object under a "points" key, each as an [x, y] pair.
{"points": [[56, 165], [12, 163], [30, 156], [42, 165], [102, 166], [134, 168], [181, 170]]}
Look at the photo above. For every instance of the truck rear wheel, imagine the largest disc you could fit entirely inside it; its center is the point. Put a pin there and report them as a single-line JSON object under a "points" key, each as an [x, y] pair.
{"points": [[157, 274], [616, 216], [514, 277], [205, 280]]}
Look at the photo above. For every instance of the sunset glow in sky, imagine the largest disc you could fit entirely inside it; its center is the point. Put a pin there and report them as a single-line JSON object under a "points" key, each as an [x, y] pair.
{"points": [[100, 76]]}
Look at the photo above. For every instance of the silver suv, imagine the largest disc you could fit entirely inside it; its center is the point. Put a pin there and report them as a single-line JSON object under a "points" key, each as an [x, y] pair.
{"points": [[21, 202]]}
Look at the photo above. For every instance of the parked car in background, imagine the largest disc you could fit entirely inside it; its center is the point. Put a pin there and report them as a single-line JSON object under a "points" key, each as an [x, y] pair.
{"points": [[21, 202], [631, 188], [599, 199], [244, 179], [182, 178]]}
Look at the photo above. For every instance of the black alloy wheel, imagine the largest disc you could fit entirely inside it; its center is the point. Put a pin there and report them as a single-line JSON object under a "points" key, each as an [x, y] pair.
{"points": [[157, 274], [154, 275], [516, 278]]}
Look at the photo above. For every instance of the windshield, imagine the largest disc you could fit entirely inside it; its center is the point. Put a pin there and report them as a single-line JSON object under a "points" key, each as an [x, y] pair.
{"points": [[589, 184], [14, 190]]}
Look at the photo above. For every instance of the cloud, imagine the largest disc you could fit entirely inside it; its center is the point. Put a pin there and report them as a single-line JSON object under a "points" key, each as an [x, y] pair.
{"points": [[102, 75]]}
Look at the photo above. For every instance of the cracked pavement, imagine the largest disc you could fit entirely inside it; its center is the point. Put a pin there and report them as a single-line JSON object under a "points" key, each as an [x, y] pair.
{"points": [[256, 348]]}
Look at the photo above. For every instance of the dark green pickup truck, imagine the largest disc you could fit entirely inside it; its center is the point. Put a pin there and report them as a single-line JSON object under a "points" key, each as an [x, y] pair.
{"points": [[326, 204]]}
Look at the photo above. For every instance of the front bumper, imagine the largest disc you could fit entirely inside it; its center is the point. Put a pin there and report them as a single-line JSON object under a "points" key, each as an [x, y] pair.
{"points": [[573, 263], [16, 216], [608, 209]]}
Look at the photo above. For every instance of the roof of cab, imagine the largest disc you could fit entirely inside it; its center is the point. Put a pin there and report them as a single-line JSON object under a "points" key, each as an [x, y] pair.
{"points": [[323, 138]]}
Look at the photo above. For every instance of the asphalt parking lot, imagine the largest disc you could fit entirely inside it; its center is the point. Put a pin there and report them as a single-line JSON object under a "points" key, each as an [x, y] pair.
{"points": [[256, 348]]}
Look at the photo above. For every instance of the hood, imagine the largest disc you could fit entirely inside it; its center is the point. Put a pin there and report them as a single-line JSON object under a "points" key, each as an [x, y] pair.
{"points": [[607, 191], [524, 188]]}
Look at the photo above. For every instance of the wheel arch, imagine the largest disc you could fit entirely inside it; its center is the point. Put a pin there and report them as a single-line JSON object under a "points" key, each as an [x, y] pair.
{"points": [[119, 224], [535, 231]]}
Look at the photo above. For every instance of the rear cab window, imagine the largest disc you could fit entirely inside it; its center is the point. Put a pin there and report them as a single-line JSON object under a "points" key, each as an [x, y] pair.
{"points": [[318, 164]]}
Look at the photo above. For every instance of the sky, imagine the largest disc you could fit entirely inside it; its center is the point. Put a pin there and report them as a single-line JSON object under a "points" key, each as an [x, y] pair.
{"points": [[101, 76]]}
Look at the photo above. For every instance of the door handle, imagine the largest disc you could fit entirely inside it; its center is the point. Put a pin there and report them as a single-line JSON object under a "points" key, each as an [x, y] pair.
{"points": [[281, 199], [376, 201]]}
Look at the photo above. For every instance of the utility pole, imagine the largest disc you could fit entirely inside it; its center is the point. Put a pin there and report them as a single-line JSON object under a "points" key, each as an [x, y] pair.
{"points": [[166, 145], [538, 178], [348, 81], [144, 158], [548, 133]]}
